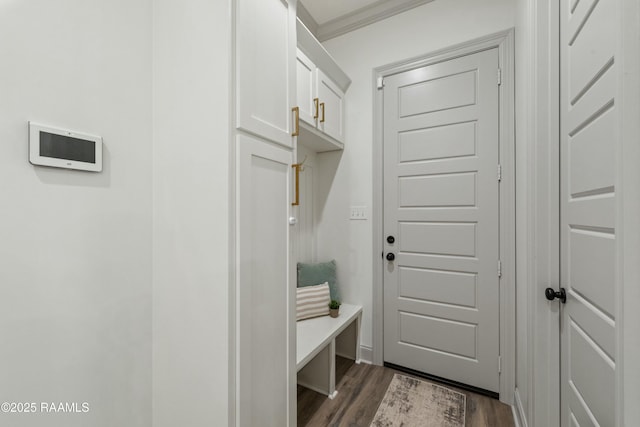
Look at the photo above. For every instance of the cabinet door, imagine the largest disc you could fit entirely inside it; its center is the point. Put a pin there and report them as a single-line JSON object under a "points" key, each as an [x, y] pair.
{"points": [[333, 111], [265, 61], [265, 309], [306, 88]]}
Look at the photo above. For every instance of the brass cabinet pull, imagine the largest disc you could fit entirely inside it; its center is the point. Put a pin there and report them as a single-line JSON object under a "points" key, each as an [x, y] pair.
{"points": [[296, 167], [315, 102], [296, 111], [322, 119]]}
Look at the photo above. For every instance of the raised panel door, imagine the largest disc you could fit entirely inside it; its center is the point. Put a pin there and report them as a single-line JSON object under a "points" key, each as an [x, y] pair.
{"points": [[331, 119], [306, 75], [441, 204]]}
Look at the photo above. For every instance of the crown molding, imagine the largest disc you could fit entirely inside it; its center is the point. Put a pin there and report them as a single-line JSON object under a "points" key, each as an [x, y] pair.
{"points": [[307, 19], [375, 12]]}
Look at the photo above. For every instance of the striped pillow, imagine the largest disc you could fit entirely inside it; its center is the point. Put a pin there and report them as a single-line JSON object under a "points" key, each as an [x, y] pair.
{"points": [[312, 301]]}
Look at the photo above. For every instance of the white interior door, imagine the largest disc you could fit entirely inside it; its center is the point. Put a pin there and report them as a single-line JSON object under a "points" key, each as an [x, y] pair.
{"points": [[441, 207], [588, 170]]}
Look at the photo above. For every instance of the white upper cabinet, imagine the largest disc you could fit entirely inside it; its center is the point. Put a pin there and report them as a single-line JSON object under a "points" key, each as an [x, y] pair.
{"points": [[331, 111], [306, 72], [265, 61], [320, 100], [321, 86]]}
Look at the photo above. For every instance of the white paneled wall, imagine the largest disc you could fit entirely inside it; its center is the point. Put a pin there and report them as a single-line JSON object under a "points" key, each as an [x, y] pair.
{"points": [[306, 211]]}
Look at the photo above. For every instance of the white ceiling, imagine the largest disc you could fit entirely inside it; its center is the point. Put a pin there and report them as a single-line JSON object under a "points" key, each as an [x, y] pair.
{"points": [[324, 11]]}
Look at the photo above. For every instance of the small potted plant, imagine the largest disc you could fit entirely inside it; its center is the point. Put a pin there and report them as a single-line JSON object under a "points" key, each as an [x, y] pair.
{"points": [[334, 308]]}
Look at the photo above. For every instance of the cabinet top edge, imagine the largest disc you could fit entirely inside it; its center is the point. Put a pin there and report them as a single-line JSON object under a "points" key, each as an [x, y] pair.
{"points": [[311, 47]]}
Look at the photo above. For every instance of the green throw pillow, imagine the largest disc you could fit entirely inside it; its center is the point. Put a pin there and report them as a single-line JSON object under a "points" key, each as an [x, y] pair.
{"points": [[316, 274]]}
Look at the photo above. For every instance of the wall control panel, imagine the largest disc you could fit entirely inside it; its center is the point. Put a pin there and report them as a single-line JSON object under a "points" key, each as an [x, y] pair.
{"points": [[62, 148]]}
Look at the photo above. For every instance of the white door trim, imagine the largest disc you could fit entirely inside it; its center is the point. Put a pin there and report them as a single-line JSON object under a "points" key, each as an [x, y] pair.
{"points": [[538, 164], [628, 267], [504, 41]]}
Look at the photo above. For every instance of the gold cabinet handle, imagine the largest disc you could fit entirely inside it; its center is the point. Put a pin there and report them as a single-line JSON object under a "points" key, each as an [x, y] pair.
{"points": [[296, 111], [315, 102], [296, 167], [322, 106]]}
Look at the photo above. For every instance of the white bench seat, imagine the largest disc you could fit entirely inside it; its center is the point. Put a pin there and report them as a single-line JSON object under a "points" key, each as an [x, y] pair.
{"points": [[319, 340]]}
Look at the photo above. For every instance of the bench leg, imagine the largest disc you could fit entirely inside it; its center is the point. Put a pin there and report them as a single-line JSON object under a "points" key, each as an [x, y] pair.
{"points": [[348, 342], [357, 343], [320, 373], [332, 370]]}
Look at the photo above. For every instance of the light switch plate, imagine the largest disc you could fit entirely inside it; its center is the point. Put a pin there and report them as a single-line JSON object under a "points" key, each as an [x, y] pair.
{"points": [[358, 213]]}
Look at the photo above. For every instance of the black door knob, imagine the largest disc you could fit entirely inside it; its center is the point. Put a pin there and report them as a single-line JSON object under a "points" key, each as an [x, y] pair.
{"points": [[390, 256], [552, 294], [391, 240]]}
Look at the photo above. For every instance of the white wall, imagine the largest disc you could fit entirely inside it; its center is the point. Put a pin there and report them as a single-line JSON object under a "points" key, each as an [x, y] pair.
{"points": [[191, 205], [81, 252], [419, 31], [75, 247]]}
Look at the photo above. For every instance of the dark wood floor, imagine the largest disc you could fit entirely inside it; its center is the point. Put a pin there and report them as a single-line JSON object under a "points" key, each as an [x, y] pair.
{"points": [[360, 391]]}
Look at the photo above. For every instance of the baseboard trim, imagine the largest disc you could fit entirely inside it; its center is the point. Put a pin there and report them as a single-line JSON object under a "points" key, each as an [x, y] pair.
{"points": [[444, 381], [366, 354], [519, 417]]}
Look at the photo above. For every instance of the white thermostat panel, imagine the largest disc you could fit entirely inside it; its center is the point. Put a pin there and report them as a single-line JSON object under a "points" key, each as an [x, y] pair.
{"points": [[61, 148]]}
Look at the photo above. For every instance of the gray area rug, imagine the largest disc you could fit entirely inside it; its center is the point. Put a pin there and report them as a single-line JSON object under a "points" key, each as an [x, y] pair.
{"points": [[411, 402]]}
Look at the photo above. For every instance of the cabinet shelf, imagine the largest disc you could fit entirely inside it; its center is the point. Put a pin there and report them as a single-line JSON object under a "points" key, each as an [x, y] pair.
{"points": [[316, 140]]}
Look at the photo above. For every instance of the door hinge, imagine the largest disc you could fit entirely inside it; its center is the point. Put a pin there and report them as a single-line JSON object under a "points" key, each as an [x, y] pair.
{"points": [[380, 82], [499, 268], [499, 173], [499, 76], [499, 364]]}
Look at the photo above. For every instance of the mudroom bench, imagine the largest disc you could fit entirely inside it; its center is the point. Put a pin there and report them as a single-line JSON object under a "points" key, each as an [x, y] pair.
{"points": [[319, 340]]}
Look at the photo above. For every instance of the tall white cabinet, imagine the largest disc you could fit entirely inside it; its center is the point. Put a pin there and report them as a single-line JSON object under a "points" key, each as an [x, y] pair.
{"points": [[268, 120], [265, 360]]}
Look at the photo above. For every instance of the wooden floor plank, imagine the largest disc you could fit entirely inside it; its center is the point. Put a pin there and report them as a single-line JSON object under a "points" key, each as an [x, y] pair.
{"points": [[360, 391]]}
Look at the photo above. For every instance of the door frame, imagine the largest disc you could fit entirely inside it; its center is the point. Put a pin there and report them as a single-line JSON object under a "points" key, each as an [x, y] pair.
{"points": [[504, 42], [629, 214], [537, 392]]}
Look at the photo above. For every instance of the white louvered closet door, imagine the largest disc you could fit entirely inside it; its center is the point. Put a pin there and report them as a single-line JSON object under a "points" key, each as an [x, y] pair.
{"points": [[588, 158]]}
